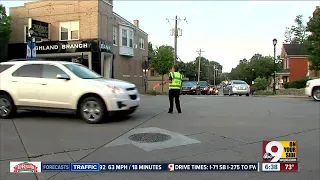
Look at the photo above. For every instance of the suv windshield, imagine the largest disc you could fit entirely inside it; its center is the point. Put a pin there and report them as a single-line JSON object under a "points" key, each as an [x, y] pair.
{"points": [[203, 84], [189, 83], [82, 72]]}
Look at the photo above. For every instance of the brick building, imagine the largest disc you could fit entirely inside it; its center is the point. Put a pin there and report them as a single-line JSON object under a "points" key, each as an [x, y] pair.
{"points": [[87, 32], [295, 64]]}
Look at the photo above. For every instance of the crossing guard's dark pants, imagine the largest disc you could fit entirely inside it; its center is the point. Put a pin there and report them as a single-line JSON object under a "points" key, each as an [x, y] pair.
{"points": [[174, 94]]}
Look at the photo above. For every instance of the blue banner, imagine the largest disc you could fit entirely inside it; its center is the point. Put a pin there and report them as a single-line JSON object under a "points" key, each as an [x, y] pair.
{"points": [[155, 167]]}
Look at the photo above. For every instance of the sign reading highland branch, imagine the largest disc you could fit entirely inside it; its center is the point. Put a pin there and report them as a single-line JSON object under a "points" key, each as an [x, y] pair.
{"points": [[62, 46]]}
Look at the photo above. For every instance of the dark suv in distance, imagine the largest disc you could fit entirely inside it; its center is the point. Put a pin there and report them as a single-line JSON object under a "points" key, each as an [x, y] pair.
{"points": [[190, 87], [204, 87]]}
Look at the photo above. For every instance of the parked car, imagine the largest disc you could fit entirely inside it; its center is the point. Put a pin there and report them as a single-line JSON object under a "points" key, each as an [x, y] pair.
{"points": [[236, 87], [313, 89], [213, 90], [63, 87], [190, 87], [204, 86]]}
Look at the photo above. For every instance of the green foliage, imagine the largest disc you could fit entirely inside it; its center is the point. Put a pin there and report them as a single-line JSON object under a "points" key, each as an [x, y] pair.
{"points": [[301, 83], [257, 66], [260, 84], [311, 45], [162, 60], [296, 34], [5, 29], [263, 93], [150, 49]]}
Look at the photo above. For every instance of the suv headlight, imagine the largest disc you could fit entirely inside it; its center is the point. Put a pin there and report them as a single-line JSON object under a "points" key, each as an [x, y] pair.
{"points": [[194, 87], [115, 89], [308, 84]]}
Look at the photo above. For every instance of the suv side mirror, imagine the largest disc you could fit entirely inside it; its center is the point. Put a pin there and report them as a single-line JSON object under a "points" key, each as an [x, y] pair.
{"points": [[63, 76]]}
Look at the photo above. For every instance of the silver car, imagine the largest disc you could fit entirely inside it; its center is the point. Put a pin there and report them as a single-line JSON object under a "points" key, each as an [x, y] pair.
{"points": [[236, 87]]}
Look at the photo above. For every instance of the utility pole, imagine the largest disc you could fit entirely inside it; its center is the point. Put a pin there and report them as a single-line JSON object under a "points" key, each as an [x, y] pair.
{"points": [[176, 32], [200, 53], [214, 74]]}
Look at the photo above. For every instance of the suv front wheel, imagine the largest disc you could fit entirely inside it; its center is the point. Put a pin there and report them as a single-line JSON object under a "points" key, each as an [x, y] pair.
{"points": [[316, 93], [92, 110], [7, 107]]}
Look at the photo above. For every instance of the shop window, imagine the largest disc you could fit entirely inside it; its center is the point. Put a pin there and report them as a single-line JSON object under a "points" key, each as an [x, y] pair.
{"points": [[69, 30], [26, 35], [114, 37], [124, 37]]}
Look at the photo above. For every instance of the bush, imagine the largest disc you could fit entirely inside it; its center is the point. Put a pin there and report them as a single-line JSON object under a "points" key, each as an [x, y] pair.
{"points": [[298, 84], [260, 84], [263, 93]]}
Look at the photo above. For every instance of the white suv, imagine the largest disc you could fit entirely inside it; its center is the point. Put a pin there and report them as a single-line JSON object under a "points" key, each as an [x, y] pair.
{"points": [[63, 87], [313, 89]]}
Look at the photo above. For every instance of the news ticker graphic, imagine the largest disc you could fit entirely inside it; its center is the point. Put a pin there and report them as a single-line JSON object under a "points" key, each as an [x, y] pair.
{"points": [[280, 151], [24, 167], [280, 167]]}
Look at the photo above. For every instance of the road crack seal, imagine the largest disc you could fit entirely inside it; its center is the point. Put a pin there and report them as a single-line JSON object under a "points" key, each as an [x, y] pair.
{"points": [[136, 126]]}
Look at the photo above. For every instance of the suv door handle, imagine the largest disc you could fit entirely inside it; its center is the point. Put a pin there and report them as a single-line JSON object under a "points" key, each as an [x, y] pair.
{"points": [[43, 84], [13, 81]]}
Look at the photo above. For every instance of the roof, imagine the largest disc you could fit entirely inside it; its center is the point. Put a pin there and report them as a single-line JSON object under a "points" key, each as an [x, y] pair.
{"points": [[132, 25], [39, 61], [294, 49]]}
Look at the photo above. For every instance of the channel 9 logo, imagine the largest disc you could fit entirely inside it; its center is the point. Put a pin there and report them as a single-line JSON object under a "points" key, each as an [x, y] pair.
{"points": [[280, 151], [170, 167]]}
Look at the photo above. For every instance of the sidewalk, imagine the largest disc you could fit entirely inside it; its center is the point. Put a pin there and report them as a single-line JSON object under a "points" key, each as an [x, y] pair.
{"points": [[282, 96]]}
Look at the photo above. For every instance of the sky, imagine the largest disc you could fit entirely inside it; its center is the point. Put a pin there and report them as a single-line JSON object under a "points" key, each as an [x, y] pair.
{"points": [[227, 31]]}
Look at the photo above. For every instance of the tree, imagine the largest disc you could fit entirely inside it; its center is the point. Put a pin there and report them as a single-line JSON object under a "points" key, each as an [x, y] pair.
{"points": [[5, 29], [257, 66], [311, 45], [296, 34], [150, 49], [162, 60]]}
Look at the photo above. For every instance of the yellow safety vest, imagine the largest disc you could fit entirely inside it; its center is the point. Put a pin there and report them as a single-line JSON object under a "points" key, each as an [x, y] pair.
{"points": [[176, 82]]}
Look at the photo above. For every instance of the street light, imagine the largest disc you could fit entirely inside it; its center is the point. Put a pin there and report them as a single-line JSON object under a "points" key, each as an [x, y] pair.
{"points": [[145, 71], [274, 65]]}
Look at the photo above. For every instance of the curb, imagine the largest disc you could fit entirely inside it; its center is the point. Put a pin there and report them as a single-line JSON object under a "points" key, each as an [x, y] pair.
{"points": [[281, 96]]}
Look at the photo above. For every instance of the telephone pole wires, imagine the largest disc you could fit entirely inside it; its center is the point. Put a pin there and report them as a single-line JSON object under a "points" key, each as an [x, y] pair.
{"points": [[200, 54], [176, 32]]}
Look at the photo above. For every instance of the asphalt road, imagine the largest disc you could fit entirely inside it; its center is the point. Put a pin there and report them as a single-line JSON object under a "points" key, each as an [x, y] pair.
{"points": [[210, 129]]}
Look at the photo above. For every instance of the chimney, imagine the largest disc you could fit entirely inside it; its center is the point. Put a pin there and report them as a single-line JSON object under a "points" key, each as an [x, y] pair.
{"points": [[136, 23]]}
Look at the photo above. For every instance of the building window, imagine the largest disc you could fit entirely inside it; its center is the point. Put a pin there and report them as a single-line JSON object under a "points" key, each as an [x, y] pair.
{"points": [[130, 39], [69, 30], [26, 35], [124, 37], [114, 35], [141, 43]]}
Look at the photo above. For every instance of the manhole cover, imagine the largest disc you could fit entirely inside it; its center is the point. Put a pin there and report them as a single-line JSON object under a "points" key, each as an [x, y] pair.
{"points": [[149, 137]]}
